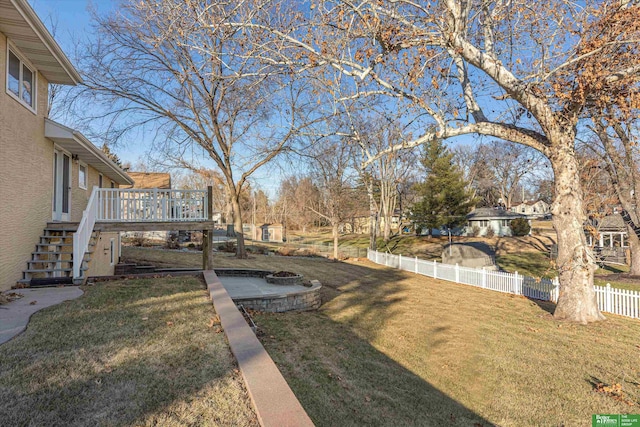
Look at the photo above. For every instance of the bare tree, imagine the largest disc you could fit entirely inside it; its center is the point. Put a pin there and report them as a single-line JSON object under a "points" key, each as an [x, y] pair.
{"points": [[206, 89], [473, 162], [389, 172], [617, 148], [500, 69], [203, 178], [511, 165], [331, 165], [295, 197]]}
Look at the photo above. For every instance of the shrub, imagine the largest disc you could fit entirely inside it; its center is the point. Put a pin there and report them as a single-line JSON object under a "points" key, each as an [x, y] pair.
{"points": [[475, 231], [173, 241], [228, 246], [520, 227], [490, 232], [138, 239], [286, 251]]}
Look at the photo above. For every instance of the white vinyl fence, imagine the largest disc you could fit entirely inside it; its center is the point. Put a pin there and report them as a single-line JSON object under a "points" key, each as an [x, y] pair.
{"points": [[610, 300]]}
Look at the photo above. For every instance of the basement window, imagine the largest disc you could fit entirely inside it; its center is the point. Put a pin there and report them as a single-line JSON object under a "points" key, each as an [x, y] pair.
{"points": [[21, 81]]}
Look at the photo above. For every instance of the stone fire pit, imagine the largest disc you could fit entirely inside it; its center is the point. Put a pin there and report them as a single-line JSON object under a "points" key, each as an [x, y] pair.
{"points": [[284, 278]]}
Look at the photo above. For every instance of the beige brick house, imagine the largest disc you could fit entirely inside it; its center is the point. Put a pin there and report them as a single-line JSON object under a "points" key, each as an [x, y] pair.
{"points": [[47, 171]]}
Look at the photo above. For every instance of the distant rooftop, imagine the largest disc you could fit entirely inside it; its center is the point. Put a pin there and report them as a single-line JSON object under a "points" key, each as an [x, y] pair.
{"points": [[150, 180], [493, 213], [612, 222]]}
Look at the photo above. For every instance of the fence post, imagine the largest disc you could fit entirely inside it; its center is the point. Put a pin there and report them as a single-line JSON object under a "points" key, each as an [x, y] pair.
{"points": [[484, 278], [515, 283], [416, 266], [457, 269], [556, 290], [435, 267], [607, 299]]}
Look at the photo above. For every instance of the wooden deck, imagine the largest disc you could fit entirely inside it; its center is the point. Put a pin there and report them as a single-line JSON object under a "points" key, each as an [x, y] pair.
{"points": [[155, 226]]}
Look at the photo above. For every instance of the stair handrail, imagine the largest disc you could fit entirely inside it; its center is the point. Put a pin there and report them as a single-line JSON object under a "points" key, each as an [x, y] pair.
{"points": [[82, 236]]}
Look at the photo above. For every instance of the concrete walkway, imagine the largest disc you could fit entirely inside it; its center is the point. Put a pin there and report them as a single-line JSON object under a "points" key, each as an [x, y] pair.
{"points": [[15, 315]]}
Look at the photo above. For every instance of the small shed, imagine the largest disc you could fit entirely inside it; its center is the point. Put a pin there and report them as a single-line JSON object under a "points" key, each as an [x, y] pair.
{"points": [[268, 233], [482, 219]]}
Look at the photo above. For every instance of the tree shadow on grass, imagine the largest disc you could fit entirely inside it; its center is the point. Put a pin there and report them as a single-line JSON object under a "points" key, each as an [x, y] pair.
{"points": [[341, 379], [339, 376], [548, 306]]}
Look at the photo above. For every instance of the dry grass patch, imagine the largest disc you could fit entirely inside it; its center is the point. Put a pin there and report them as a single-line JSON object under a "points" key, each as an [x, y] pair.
{"points": [[137, 352], [392, 348]]}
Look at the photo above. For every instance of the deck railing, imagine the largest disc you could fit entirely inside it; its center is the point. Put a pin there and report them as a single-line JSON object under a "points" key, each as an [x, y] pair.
{"points": [[151, 205], [134, 205], [82, 236]]}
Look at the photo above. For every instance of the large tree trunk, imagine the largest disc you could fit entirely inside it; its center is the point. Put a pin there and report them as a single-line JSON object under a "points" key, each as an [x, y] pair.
{"points": [[634, 249], [577, 298], [241, 252], [335, 239], [373, 226]]}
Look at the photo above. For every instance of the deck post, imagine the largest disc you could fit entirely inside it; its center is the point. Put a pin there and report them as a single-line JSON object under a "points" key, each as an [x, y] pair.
{"points": [[207, 235]]}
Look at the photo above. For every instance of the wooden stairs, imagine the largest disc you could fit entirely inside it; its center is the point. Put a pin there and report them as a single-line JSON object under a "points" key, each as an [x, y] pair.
{"points": [[52, 261]]}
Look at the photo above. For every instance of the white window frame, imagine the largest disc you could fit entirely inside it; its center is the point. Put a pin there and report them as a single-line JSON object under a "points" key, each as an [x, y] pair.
{"points": [[23, 63], [81, 184]]}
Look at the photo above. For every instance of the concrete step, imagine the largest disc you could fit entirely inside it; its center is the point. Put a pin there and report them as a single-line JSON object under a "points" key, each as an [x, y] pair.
{"points": [[52, 253], [68, 226], [56, 244], [50, 281], [54, 232], [48, 270]]}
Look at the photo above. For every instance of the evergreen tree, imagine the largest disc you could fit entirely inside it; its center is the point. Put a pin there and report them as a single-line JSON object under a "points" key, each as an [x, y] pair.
{"points": [[446, 199]]}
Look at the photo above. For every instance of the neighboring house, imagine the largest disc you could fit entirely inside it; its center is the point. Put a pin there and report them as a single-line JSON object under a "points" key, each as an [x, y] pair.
{"points": [[610, 232], [608, 238], [159, 180], [360, 224], [532, 209], [47, 170], [482, 219], [266, 232]]}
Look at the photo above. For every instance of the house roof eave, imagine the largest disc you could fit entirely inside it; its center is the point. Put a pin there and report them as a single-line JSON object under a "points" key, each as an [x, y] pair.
{"points": [[76, 143], [20, 23]]}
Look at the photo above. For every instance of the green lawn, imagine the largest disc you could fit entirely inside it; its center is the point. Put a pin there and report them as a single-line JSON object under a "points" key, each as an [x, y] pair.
{"points": [[392, 348], [136, 352], [535, 264]]}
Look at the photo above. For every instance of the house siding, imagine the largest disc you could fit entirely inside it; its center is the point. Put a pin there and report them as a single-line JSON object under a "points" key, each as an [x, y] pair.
{"points": [[26, 171], [80, 196], [100, 264]]}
